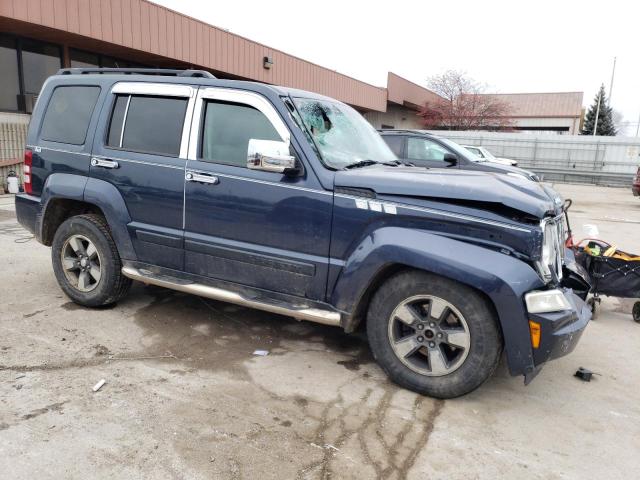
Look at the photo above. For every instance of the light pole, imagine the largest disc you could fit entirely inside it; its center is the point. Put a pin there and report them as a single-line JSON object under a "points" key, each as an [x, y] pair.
{"points": [[613, 73]]}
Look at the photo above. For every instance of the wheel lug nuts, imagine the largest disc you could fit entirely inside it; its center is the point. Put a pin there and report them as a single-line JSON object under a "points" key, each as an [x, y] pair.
{"points": [[420, 338], [439, 335], [420, 326], [432, 344], [432, 324]]}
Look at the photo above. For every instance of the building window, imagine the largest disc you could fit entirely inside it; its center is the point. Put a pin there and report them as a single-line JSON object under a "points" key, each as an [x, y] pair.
{"points": [[39, 61], [9, 78], [25, 65], [82, 59]]}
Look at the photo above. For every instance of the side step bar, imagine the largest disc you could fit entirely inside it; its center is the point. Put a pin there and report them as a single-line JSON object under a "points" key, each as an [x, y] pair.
{"points": [[326, 317]]}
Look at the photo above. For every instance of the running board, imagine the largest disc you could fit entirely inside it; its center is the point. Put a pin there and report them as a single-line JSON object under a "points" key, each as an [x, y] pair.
{"points": [[326, 317]]}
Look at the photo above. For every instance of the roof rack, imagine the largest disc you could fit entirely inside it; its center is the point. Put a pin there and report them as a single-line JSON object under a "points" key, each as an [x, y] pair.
{"points": [[137, 71]]}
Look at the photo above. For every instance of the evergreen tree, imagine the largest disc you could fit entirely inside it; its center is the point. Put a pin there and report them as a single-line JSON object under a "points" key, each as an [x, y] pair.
{"points": [[605, 126]]}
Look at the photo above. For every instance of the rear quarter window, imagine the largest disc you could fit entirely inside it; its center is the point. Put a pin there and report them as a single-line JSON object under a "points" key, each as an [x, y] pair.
{"points": [[68, 114]]}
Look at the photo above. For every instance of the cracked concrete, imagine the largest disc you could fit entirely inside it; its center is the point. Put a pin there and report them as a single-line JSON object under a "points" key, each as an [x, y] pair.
{"points": [[185, 398]]}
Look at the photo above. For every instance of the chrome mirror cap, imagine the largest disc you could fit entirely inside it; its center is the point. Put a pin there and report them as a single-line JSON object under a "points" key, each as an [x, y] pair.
{"points": [[269, 156]]}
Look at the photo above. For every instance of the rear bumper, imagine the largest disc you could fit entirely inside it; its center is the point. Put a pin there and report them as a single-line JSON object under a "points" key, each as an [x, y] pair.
{"points": [[560, 331], [28, 210]]}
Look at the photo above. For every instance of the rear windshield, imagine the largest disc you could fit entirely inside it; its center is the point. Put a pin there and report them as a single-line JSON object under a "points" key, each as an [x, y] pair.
{"points": [[69, 113]]}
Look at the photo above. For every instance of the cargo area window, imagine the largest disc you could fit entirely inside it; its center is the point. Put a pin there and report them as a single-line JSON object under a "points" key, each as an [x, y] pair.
{"points": [[147, 124], [69, 113], [227, 129]]}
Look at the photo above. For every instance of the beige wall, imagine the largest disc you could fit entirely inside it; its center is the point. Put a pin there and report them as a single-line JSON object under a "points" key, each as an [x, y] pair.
{"points": [[396, 116]]}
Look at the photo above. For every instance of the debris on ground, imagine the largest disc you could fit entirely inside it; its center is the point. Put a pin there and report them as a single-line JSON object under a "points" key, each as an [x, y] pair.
{"points": [[584, 374], [261, 353], [99, 385]]}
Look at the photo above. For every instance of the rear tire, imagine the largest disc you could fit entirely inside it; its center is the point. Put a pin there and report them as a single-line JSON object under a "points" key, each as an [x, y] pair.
{"points": [[433, 335], [593, 305], [86, 262], [636, 312]]}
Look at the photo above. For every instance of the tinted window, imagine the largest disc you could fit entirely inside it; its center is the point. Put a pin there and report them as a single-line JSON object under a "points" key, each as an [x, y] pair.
{"points": [[423, 149], [228, 127], [68, 114], [152, 124], [395, 144], [39, 61], [9, 87]]}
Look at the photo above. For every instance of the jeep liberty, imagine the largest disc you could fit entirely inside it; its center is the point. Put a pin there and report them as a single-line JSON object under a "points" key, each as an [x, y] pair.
{"points": [[290, 202]]}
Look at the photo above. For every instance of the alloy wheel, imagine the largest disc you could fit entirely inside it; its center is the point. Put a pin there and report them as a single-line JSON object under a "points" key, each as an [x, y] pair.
{"points": [[81, 263], [429, 335]]}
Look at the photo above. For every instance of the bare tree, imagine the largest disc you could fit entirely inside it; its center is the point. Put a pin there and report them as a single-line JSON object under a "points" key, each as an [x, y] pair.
{"points": [[463, 105]]}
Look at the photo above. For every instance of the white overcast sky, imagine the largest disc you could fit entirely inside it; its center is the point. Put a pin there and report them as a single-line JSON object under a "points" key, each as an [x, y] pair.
{"points": [[512, 46]]}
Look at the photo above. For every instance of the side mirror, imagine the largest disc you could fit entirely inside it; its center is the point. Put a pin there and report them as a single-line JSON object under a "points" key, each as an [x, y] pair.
{"points": [[451, 159], [270, 156]]}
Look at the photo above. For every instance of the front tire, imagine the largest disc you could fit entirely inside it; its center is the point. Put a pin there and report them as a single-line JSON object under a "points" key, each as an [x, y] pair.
{"points": [[433, 335], [86, 262]]}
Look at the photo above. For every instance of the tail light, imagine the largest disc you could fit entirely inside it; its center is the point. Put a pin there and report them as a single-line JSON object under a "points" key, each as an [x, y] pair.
{"points": [[28, 160]]}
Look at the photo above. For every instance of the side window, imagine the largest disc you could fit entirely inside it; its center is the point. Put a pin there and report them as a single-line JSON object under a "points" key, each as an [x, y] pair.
{"points": [[476, 151], [68, 114], [424, 149], [147, 124], [395, 144], [227, 129]]}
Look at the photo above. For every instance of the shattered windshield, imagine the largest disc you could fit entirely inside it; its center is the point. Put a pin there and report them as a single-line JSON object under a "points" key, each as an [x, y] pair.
{"points": [[342, 136]]}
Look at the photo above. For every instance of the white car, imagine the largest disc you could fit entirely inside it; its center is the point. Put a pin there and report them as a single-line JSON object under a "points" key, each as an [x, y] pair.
{"points": [[489, 157]]}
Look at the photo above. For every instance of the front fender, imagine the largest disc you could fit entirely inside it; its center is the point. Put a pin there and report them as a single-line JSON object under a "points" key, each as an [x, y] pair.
{"points": [[502, 278]]}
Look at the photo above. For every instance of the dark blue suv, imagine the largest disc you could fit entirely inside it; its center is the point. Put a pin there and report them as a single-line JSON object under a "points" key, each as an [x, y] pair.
{"points": [[290, 202]]}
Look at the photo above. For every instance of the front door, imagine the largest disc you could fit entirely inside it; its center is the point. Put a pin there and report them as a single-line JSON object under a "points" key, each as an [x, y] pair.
{"points": [[255, 228], [143, 154]]}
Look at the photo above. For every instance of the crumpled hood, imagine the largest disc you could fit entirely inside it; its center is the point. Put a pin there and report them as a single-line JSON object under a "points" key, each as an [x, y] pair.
{"points": [[513, 191]]}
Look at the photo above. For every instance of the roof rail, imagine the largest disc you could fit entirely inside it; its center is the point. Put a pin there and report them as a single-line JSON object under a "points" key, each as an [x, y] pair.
{"points": [[137, 71]]}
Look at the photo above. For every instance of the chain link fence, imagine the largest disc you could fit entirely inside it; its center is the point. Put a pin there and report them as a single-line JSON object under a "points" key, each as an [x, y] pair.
{"points": [[611, 161]]}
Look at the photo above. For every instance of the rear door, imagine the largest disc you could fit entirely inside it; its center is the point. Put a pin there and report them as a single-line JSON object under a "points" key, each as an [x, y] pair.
{"points": [[255, 228], [141, 150]]}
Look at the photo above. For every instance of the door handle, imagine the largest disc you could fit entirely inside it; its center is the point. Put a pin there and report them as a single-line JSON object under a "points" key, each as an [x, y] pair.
{"points": [[104, 163], [201, 178]]}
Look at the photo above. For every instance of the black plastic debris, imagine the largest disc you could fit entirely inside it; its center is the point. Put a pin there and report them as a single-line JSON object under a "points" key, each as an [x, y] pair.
{"points": [[584, 374]]}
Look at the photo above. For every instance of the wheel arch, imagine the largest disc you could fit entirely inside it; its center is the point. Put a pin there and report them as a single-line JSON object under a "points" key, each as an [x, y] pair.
{"points": [[65, 195], [500, 278]]}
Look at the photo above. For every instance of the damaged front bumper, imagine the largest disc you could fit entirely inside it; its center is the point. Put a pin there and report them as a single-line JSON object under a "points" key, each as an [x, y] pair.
{"points": [[558, 332]]}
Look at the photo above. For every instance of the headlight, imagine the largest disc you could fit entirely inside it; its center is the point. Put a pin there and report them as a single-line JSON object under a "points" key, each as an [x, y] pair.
{"points": [[552, 256], [546, 301]]}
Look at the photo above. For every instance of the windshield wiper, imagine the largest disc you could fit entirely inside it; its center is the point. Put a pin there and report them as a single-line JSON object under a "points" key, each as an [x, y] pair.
{"points": [[361, 163], [367, 163]]}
